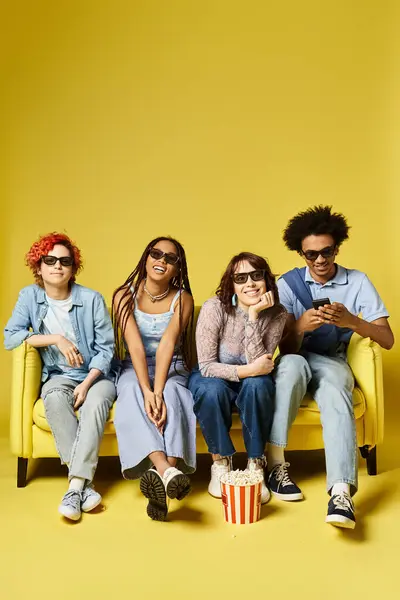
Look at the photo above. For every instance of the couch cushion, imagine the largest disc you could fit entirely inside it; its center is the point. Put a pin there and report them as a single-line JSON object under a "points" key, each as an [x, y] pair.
{"points": [[308, 413], [39, 418], [309, 403]]}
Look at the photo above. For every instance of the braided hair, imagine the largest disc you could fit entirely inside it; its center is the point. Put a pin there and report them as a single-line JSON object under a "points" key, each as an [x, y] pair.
{"points": [[125, 306]]}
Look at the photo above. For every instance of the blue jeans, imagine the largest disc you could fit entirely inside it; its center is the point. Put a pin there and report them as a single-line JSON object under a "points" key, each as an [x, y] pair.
{"points": [[214, 400], [78, 441], [330, 381]]}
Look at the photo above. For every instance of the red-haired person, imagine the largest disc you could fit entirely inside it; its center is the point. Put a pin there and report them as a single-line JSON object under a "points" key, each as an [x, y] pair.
{"points": [[237, 333], [70, 326]]}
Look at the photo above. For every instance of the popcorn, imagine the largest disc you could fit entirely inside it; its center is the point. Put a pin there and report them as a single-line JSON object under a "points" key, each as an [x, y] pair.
{"points": [[245, 477], [241, 496]]}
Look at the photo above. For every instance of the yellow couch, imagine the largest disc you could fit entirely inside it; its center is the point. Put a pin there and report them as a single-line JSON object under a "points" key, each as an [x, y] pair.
{"points": [[31, 437]]}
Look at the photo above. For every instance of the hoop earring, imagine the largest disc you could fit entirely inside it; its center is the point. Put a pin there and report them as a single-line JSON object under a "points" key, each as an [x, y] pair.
{"points": [[234, 300]]}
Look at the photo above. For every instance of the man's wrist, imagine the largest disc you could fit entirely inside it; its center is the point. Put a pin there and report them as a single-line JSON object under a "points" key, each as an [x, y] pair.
{"points": [[354, 322]]}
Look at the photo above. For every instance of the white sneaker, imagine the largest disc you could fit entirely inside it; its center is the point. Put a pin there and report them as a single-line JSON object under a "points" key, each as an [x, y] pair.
{"points": [[177, 484], [90, 498], [257, 464], [218, 468], [70, 506]]}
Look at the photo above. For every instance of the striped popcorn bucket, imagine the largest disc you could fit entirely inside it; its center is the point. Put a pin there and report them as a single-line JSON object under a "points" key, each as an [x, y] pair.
{"points": [[241, 503]]}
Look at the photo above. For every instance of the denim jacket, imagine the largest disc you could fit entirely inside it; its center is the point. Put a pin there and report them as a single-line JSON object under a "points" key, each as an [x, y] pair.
{"points": [[90, 320]]}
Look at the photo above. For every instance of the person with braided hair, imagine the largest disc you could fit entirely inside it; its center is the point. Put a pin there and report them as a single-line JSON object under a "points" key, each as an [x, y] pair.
{"points": [[152, 312]]}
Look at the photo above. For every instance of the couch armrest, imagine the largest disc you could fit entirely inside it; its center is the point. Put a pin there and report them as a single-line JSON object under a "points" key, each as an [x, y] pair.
{"points": [[25, 389], [365, 360]]}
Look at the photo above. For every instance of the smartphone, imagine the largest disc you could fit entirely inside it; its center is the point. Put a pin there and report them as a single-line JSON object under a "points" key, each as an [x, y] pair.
{"points": [[321, 302]]}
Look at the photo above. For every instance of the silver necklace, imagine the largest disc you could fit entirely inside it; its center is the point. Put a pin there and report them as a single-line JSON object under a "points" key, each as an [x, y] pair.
{"points": [[156, 298]]}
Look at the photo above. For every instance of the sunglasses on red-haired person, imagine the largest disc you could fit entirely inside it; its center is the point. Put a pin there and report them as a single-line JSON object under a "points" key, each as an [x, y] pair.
{"points": [[65, 261]]}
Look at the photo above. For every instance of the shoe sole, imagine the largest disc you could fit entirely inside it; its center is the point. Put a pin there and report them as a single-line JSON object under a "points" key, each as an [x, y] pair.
{"points": [[266, 500], [288, 497], [179, 487], [213, 496], [339, 521], [92, 507], [153, 489], [70, 517]]}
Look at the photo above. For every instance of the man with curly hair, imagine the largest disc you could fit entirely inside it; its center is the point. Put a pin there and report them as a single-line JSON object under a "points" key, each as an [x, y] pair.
{"points": [[70, 326], [313, 351]]}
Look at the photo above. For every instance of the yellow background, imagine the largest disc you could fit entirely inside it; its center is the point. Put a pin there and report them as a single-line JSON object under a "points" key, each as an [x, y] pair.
{"points": [[211, 121], [214, 121]]}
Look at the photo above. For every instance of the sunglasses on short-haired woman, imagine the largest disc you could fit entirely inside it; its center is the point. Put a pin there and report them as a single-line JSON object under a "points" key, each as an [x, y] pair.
{"points": [[65, 261]]}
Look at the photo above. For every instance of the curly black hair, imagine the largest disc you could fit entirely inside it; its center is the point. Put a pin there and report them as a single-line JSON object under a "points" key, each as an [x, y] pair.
{"points": [[318, 220]]}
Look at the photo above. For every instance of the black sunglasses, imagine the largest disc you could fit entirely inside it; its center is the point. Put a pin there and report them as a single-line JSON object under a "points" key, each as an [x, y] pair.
{"points": [[327, 252], [256, 275], [65, 261], [170, 257]]}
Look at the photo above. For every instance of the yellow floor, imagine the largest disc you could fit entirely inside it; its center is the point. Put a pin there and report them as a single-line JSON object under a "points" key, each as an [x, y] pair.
{"points": [[119, 553]]}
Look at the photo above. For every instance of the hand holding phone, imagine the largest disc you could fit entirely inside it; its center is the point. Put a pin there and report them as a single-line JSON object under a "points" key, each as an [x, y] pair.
{"points": [[321, 302], [337, 314]]}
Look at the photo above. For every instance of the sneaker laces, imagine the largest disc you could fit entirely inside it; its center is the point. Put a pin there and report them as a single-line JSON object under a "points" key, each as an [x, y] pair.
{"points": [[343, 501], [281, 474], [72, 498]]}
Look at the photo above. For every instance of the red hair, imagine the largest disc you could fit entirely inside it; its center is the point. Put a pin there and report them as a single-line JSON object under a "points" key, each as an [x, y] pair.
{"points": [[43, 246]]}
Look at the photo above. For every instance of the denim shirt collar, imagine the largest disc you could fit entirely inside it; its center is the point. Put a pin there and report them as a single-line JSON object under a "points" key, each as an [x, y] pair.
{"points": [[76, 295], [341, 277]]}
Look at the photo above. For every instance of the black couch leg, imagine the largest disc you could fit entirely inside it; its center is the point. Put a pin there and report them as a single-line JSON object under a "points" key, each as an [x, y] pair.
{"points": [[21, 472], [371, 462], [370, 456]]}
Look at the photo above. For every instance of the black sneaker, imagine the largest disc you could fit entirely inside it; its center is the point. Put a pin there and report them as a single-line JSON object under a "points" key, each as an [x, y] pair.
{"points": [[282, 486], [341, 511], [152, 487]]}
